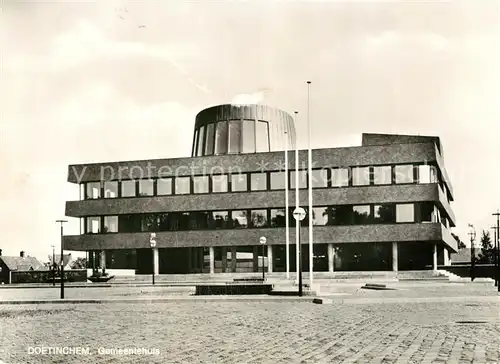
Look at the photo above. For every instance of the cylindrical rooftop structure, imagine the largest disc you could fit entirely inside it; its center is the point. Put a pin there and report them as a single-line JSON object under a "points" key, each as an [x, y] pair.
{"points": [[236, 129]]}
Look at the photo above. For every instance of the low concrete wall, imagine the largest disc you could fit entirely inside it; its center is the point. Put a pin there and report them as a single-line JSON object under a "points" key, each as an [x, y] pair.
{"points": [[464, 271]]}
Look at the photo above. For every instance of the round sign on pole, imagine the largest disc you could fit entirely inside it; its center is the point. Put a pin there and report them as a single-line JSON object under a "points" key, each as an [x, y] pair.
{"points": [[262, 240], [152, 240], [299, 214]]}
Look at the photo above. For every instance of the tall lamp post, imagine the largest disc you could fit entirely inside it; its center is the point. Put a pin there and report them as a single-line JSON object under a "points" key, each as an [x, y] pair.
{"points": [[262, 242], [299, 214], [53, 265], [297, 228], [62, 256], [309, 189], [497, 253], [472, 234], [287, 222]]}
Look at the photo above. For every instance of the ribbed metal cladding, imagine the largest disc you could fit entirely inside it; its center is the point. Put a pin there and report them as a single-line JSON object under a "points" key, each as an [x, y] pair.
{"points": [[236, 129]]}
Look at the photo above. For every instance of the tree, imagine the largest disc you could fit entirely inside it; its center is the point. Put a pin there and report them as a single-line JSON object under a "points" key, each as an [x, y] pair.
{"points": [[79, 263], [461, 244], [487, 255]]}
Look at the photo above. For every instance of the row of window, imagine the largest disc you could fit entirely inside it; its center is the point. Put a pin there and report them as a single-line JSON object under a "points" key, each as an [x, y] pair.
{"points": [[234, 136], [262, 181], [263, 218]]}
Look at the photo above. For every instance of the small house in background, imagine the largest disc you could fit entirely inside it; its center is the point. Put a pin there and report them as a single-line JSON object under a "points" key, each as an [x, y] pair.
{"points": [[67, 259], [14, 264]]}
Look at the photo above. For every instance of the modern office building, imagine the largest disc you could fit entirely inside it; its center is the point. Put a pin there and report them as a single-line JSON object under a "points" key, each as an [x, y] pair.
{"points": [[384, 205]]}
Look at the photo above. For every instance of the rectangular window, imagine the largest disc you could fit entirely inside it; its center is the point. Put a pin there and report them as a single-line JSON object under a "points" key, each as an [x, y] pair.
{"points": [[382, 175], [238, 182], [93, 190], [110, 189], [427, 212], [221, 138], [201, 138], [128, 188], [278, 218], [163, 222], [424, 173], [404, 173], [262, 139], [129, 223], [321, 216], [149, 222], [209, 144], [384, 214], [340, 177], [258, 181], [319, 178], [234, 136], [248, 134], [434, 175], [146, 187], [200, 220], [220, 183], [93, 225], [182, 185], [277, 180], [361, 214], [360, 176], [302, 179], [110, 224], [259, 218], [221, 220], [240, 219], [179, 221], [342, 215], [405, 212], [164, 186], [200, 184]]}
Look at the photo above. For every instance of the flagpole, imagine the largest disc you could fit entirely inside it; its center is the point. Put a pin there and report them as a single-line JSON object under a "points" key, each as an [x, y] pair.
{"points": [[287, 223], [297, 222], [309, 188]]}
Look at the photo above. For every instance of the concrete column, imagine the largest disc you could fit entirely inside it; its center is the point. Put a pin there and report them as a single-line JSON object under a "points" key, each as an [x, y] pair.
{"points": [[395, 256], [255, 258], [103, 259], [270, 258], [233, 259], [156, 262], [435, 258], [224, 259], [212, 260], [331, 257], [446, 254]]}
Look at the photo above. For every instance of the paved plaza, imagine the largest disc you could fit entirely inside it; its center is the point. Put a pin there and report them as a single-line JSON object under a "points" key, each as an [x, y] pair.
{"points": [[459, 328]]}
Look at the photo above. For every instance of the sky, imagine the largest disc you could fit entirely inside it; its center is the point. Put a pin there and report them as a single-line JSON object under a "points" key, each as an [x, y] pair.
{"points": [[84, 82]]}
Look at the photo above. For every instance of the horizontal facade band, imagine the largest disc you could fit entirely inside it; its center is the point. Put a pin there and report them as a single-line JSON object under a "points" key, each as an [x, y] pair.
{"points": [[428, 232], [254, 162], [261, 199]]}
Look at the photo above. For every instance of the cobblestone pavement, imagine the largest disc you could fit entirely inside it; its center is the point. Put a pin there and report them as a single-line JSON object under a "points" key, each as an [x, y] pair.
{"points": [[251, 332]]}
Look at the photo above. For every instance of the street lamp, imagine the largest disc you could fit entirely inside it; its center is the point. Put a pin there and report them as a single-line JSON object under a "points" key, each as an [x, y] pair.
{"points": [[299, 214], [472, 234], [53, 265], [152, 242], [62, 256], [262, 241], [497, 253]]}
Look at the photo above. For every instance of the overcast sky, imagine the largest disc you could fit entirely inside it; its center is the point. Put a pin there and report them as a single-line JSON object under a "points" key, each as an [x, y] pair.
{"points": [[117, 80]]}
